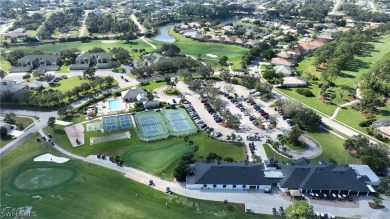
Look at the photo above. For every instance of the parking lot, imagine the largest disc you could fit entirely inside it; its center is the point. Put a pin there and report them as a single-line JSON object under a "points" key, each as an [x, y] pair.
{"points": [[247, 127]]}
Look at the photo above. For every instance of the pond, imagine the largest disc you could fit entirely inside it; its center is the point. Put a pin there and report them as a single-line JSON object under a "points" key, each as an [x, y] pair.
{"points": [[163, 35]]}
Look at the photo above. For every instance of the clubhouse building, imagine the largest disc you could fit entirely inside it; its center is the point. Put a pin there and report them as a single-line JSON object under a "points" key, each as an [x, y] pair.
{"points": [[299, 175]]}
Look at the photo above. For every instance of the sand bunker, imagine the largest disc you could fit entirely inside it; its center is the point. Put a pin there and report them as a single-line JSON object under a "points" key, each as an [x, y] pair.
{"points": [[51, 158], [212, 55], [108, 41]]}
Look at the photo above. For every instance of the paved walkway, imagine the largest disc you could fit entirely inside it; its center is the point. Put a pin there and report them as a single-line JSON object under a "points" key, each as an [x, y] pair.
{"points": [[313, 149], [342, 106]]}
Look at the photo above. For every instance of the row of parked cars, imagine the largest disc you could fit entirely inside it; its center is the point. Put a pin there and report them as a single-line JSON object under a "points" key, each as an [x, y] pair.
{"points": [[259, 110], [323, 216], [281, 211], [198, 121]]}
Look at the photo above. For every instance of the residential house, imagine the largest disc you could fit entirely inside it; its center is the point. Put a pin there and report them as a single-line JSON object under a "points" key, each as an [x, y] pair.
{"points": [[281, 61], [382, 126], [84, 60], [217, 175], [230, 40], [283, 69], [98, 12], [135, 95], [294, 82], [251, 43], [309, 47], [154, 58], [11, 87], [239, 41], [322, 178], [324, 37], [45, 62]]}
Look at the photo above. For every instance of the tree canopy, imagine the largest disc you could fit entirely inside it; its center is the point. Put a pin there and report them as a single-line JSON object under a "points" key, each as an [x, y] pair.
{"points": [[300, 210]]}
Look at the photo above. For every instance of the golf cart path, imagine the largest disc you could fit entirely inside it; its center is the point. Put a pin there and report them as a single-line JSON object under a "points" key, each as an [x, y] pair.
{"points": [[342, 106], [258, 201]]}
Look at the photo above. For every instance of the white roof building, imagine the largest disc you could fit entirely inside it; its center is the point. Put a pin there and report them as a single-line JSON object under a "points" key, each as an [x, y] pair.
{"points": [[365, 171]]}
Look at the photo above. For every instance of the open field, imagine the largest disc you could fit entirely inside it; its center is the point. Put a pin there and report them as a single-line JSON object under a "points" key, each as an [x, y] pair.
{"points": [[97, 192], [152, 157], [69, 84], [194, 48], [66, 84]]}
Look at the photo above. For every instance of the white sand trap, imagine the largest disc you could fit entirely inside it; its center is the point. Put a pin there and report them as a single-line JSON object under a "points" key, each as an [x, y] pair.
{"points": [[59, 122], [108, 41], [212, 55], [51, 158]]}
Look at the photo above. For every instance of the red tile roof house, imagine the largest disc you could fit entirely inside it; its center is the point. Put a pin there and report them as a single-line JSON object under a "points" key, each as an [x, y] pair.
{"points": [[207, 37], [281, 61], [217, 39], [251, 43], [229, 40], [240, 41], [310, 47]]}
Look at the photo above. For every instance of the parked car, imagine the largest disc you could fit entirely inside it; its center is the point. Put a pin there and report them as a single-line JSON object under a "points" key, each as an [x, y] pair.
{"points": [[274, 211], [281, 211]]}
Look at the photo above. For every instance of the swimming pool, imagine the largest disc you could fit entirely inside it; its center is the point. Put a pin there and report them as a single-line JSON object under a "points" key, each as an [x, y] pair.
{"points": [[114, 104]]}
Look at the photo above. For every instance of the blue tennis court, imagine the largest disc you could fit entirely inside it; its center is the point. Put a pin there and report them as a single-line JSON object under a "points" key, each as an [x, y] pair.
{"points": [[109, 120], [110, 127], [125, 125], [150, 125], [178, 121], [124, 118]]}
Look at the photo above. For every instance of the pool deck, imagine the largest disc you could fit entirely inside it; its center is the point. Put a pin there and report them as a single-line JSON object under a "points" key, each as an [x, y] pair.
{"points": [[104, 107]]}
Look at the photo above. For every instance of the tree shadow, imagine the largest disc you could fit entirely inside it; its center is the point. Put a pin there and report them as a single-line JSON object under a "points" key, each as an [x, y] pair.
{"points": [[344, 75], [384, 112], [356, 65]]}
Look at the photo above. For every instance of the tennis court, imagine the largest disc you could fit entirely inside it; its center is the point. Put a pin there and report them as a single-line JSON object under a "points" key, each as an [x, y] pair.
{"points": [[151, 126], [160, 125], [124, 121], [94, 126], [177, 121], [110, 123]]}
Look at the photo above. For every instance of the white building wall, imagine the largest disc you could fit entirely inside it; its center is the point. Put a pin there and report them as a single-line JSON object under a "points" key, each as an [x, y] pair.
{"points": [[220, 186]]}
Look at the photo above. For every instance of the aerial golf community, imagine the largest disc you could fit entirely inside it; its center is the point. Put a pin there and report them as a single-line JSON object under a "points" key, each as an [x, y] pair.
{"points": [[200, 110]]}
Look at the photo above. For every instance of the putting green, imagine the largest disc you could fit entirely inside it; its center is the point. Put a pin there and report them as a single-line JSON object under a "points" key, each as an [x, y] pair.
{"points": [[42, 178]]}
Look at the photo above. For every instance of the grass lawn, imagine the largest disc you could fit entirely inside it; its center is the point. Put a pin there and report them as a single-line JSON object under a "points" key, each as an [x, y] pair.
{"points": [[84, 46], [75, 118], [153, 85], [97, 192], [171, 91], [272, 154], [4, 64], [192, 47], [67, 84], [332, 148], [5, 141], [63, 69], [24, 121], [299, 146], [158, 157], [70, 83]]}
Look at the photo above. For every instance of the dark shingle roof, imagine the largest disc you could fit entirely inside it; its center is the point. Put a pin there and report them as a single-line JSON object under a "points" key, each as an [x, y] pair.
{"points": [[318, 176], [230, 174]]}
